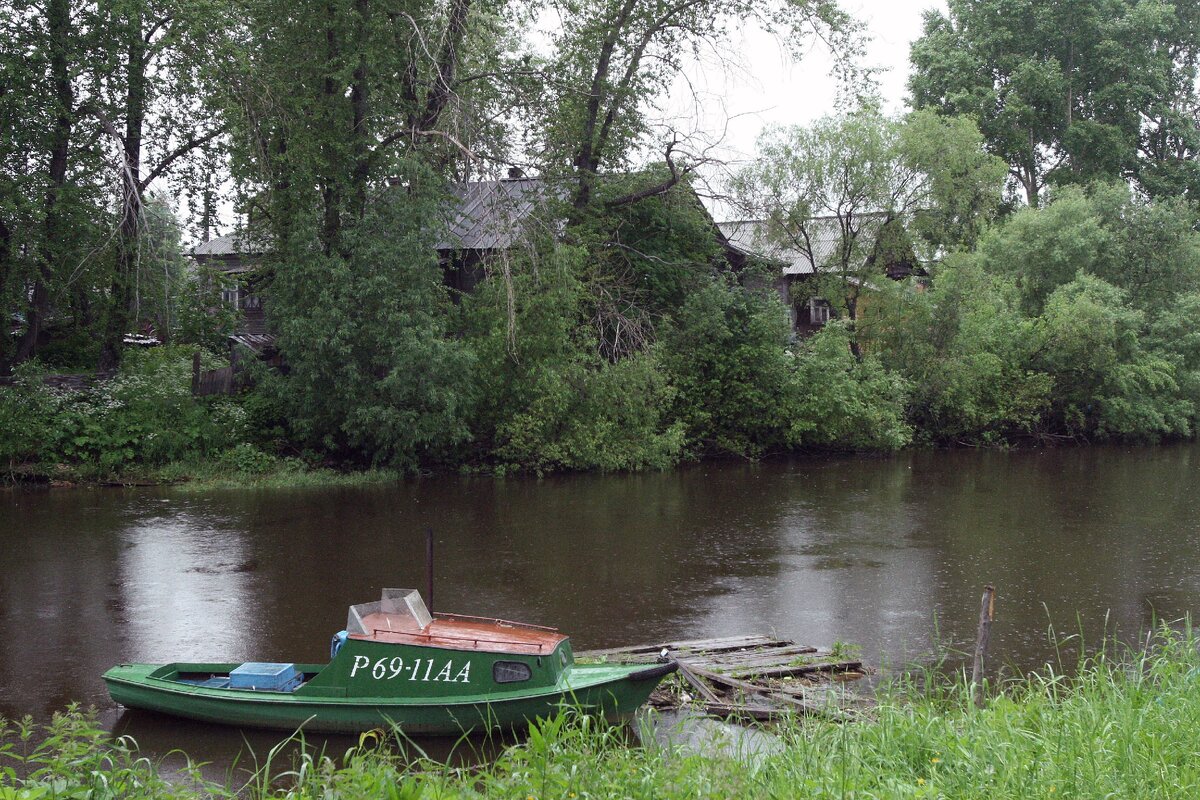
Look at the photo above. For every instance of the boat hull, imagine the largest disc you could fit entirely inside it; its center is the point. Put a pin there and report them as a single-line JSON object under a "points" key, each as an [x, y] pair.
{"points": [[608, 689]]}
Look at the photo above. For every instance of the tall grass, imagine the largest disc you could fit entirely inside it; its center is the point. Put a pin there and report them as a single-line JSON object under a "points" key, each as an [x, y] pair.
{"points": [[1121, 723]]}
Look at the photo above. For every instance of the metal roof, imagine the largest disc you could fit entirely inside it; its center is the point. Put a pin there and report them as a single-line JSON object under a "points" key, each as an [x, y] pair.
{"points": [[488, 215], [494, 215], [230, 245], [825, 235]]}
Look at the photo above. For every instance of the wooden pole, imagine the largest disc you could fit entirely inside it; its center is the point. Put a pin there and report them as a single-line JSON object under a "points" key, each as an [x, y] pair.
{"points": [[429, 569], [987, 612]]}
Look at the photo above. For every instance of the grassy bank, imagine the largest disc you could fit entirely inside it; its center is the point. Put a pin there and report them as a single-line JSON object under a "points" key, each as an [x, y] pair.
{"points": [[1113, 727]]}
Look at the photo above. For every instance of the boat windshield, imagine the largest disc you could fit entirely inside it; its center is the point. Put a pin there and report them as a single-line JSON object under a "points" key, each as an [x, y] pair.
{"points": [[402, 610]]}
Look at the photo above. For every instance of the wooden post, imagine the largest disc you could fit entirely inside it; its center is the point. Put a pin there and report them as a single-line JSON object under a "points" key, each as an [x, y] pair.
{"points": [[429, 569], [195, 372], [987, 611]]}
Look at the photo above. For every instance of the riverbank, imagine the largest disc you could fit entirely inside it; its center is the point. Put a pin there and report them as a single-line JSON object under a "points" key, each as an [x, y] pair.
{"points": [[1110, 727]]}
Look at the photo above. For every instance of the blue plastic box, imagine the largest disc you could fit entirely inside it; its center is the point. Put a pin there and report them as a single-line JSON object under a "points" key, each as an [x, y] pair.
{"points": [[265, 677]]}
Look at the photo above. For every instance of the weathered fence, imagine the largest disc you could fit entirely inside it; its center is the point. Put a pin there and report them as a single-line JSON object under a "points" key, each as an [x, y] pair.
{"points": [[216, 381]]}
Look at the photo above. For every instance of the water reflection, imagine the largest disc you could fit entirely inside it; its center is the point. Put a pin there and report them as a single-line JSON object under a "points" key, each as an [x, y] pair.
{"points": [[872, 551], [191, 580]]}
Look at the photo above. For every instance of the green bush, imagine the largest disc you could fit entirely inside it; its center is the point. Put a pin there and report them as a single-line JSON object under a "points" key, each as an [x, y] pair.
{"points": [[1107, 384], [965, 348], [547, 399], [603, 416], [842, 402], [246, 459], [724, 352], [144, 417], [28, 418]]}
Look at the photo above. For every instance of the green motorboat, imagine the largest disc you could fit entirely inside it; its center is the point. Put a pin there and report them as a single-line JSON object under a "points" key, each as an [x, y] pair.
{"points": [[396, 664]]}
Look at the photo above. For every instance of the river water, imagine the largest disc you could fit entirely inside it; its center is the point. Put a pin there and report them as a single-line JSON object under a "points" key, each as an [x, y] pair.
{"points": [[886, 553]]}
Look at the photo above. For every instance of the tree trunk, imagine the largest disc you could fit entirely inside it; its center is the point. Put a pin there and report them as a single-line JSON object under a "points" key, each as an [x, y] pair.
{"points": [[125, 273], [58, 23], [359, 108], [331, 199], [852, 326], [588, 154]]}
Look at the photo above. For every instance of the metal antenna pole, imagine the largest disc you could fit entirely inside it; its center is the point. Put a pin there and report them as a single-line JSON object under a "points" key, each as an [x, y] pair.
{"points": [[429, 569]]}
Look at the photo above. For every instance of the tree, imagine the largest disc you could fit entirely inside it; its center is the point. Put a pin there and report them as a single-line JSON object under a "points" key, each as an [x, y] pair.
{"points": [[613, 59], [548, 395], [347, 179], [1149, 249], [966, 348], [1069, 92], [724, 351], [1106, 382], [37, 103], [122, 83], [871, 180]]}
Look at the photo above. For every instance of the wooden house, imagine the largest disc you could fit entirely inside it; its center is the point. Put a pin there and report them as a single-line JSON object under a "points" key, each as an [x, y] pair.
{"points": [[487, 222], [797, 266], [233, 261]]}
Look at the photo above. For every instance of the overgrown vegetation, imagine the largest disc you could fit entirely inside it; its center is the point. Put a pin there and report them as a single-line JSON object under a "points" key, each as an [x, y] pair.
{"points": [[1016, 259], [1118, 724]]}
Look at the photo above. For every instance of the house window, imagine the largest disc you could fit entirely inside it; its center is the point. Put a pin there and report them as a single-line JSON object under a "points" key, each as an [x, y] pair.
{"points": [[818, 311], [229, 294], [511, 672]]}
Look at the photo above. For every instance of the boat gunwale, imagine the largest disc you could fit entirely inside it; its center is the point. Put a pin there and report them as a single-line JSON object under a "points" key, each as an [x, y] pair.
{"points": [[271, 697]]}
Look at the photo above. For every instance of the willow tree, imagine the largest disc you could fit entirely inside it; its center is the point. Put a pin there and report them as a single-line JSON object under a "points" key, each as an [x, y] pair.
{"points": [[882, 189]]}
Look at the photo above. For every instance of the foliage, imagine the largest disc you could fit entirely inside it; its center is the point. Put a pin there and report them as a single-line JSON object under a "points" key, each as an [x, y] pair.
{"points": [[1070, 92], [966, 347], [838, 192], [201, 316], [843, 402], [112, 102], [614, 60], [371, 376], [548, 398], [725, 354], [72, 757], [1106, 381], [27, 410], [144, 417]]}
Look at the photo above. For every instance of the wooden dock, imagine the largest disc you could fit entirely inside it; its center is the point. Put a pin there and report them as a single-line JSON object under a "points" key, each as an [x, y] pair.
{"points": [[753, 677]]}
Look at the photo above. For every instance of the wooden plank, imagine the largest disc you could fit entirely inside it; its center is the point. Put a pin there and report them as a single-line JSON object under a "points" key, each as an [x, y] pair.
{"points": [[792, 670], [697, 683], [740, 711], [762, 692], [709, 645], [729, 643], [765, 657], [730, 682]]}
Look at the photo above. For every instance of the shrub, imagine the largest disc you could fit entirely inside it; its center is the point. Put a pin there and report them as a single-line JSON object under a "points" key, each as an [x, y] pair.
{"points": [[842, 402], [724, 351], [548, 400]]}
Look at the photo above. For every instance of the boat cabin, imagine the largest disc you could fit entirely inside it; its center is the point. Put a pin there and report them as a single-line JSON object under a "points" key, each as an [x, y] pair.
{"points": [[400, 617], [396, 648]]}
